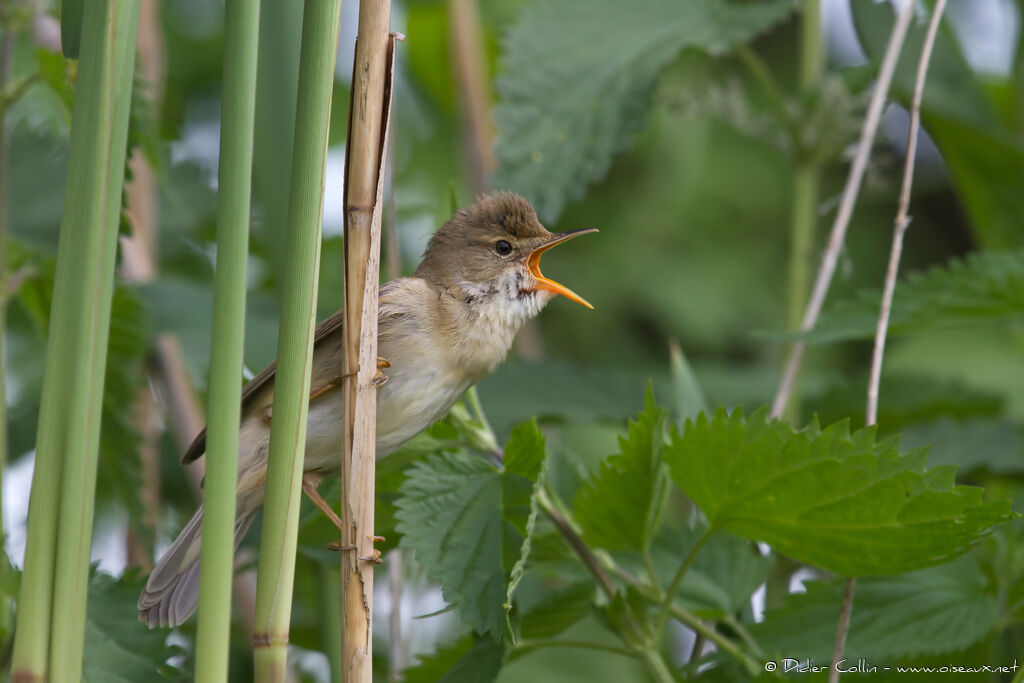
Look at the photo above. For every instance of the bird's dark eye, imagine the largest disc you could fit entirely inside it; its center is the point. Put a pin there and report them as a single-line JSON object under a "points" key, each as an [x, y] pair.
{"points": [[502, 248]]}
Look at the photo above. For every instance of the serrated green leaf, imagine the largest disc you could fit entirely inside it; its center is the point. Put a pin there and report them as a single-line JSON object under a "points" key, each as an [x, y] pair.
{"points": [[985, 285], [470, 522], [620, 507], [843, 502], [567, 104], [467, 660], [931, 611], [117, 648], [559, 610]]}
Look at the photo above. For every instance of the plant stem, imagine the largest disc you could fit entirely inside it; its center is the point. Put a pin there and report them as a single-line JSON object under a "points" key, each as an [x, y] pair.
{"points": [[577, 544], [723, 643], [842, 221], [657, 667], [666, 606], [524, 646], [902, 222], [320, 25], [732, 622], [241, 28], [364, 179], [63, 485]]}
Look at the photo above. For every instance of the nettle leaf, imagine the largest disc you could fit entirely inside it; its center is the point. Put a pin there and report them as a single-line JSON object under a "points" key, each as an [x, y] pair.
{"points": [[985, 285], [567, 104], [470, 522], [467, 660], [117, 648], [620, 507], [843, 502], [931, 611]]}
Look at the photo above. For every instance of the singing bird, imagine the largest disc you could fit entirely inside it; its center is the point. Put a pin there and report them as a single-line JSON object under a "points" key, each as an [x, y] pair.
{"points": [[439, 332]]}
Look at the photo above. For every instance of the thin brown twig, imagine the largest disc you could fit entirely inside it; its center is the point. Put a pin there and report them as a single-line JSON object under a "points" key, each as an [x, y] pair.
{"points": [[581, 549], [901, 223], [849, 198]]}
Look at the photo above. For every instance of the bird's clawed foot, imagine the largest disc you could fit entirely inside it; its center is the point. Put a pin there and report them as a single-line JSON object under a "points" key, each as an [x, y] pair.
{"points": [[375, 558], [379, 378]]}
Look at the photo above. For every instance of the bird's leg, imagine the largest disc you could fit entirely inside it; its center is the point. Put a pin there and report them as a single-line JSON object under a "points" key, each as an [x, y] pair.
{"points": [[379, 378], [309, 488]]}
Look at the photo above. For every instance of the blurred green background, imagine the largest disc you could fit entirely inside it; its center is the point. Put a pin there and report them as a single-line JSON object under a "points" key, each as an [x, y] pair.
{"points": [[673, 145]]}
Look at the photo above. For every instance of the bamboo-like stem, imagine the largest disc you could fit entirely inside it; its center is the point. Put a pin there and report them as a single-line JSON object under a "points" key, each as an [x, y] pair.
{"points": [[838, 233], [320, 25], [901, 223], [116, 28], [241, 27], [364, 182], [68, 436]]}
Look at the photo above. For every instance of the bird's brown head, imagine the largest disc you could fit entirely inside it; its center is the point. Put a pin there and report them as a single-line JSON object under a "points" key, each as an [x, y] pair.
{"points": [[491, 250]]}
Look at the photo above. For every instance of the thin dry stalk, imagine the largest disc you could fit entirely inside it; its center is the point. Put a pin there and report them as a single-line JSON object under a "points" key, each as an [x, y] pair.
{"points": [[364, 185], [902, 222], [138, 259], [853, 181], [466, 46]]}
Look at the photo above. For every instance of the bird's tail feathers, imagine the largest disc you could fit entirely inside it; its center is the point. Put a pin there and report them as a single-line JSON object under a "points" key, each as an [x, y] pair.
{"points": [[172, 591]]}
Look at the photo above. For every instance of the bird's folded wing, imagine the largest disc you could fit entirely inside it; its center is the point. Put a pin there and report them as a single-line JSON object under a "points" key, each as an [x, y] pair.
{"points": [[324, 329]]}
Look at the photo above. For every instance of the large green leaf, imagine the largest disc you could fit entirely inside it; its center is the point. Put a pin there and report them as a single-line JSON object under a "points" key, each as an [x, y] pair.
{"points": [[931, 611], [568, 103], [467, 660], [619, 508], [984, 285], [469, 523], [117, 648], [846, 503]]}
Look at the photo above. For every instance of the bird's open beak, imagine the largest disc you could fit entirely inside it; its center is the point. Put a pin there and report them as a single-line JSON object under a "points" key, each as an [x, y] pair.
{"points": [[533, 263]]}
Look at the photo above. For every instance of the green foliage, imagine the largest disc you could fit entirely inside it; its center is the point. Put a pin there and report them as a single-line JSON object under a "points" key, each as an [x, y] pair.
{"points": [[118, 649], [469, 523], [620, 508], [560, 610], [984, 285], [725, 573], [467, 660], [845, 503], [567, 105], [930, 611]]}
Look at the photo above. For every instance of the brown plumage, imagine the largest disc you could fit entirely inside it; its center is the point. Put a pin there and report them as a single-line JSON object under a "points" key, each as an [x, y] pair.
{"points": [[442, 330]]}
